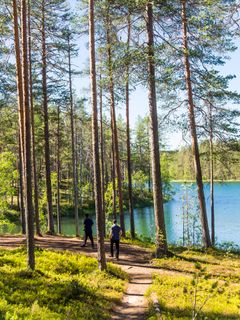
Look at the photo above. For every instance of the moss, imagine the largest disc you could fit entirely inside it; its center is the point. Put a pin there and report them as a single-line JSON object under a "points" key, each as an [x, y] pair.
{"points": [[64, 286]]}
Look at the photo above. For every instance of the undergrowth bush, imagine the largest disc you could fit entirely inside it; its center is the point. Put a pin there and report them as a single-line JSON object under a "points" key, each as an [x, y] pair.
{"points": [[197, 284], [64, 286]]}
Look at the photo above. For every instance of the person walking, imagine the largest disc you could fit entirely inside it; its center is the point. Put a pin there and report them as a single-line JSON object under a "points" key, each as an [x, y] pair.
{"points": [[115, 234], [88, 223]]}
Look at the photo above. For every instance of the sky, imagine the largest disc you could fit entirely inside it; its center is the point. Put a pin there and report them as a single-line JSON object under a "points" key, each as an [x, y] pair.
{"points": [[139, 98]]}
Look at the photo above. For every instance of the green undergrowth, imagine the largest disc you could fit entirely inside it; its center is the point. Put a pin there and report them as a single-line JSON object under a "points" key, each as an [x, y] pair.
{"points": [[213, 277], [139, 240], [64, 286]]}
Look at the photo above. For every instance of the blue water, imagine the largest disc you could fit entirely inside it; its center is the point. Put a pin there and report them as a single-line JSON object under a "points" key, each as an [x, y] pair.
{"points": [[227, 214], [227, 211]]}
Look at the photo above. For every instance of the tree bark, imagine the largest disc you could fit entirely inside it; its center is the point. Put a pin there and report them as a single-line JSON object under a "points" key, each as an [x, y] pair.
{"points": [[81, 169], [129, 169], [46, 127], [114, 128], [195, 149], [19, 81], [27, 142], [68, 184], [113, 179], [161, 240], [96, 163], [74, 159], [35, 180], [21, 185], [102, 156], [211, 167], [59, 227]]}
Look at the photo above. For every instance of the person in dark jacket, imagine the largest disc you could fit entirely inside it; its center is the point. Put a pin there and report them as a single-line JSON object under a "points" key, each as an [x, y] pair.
{"points": [[88, 223], [115, 234]]}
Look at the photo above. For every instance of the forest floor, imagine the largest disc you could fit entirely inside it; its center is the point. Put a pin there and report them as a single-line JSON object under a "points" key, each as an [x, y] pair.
{"points": [[164, 288], [134, 260]]}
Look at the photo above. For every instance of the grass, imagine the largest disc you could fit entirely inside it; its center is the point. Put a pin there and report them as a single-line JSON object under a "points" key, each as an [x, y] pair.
{"points": [[139, 240], [218, 288], [64, 286]]}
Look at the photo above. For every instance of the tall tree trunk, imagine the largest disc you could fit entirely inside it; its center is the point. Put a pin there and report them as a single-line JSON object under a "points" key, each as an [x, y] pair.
{"points": [[35, 180], [19, 81], [68, 184], [11, 202], [77, 159], [17, 185], [129, 169], [102, 156], [21, 185], [59, 229], [161, 240], [195, 149], [114, 128], [96, 164], [27, 142], [46, 127], [114, 180], [74, 158], [106, 170], [211, 167], [80, 170]]}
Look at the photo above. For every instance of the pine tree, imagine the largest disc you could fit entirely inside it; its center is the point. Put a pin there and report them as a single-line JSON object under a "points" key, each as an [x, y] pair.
{"points": [[46, 125], [195, 149], [96, 164], [27, 140], [34, 165], [161, 240]]}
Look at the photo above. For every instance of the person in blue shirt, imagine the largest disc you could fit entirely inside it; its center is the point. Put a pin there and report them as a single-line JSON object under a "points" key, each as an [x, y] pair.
{"points": [[115, 234], [88, 223]]}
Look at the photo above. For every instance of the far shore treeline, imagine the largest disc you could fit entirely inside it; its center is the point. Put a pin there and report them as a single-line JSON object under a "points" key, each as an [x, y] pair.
{"points": [[60, 150]]}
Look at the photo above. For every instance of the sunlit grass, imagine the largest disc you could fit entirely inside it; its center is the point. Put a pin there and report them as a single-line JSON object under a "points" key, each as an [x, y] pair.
{"points": [[219, 264], [218, 290], [64, 286]]}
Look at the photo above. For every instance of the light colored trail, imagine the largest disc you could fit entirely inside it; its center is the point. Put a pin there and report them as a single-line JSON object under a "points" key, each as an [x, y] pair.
{"points": [[134, 305]]}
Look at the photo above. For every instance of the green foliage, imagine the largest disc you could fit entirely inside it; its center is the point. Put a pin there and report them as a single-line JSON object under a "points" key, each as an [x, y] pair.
{"points": [[166, 178], [141, 190], [109, 199], [87, 192], [65, 286], [204, 282], [226, 162], [138, 200], [8, 174], [139, 240], [139, 180], [208, 21], [191, 228]]}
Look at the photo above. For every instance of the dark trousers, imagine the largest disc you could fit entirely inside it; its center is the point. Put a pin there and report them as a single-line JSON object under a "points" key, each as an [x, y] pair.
{"points": [[117, 247], [90, 236]]}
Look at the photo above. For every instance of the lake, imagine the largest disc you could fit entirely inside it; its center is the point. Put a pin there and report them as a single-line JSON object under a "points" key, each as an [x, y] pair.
{"points": [[227, 213]]}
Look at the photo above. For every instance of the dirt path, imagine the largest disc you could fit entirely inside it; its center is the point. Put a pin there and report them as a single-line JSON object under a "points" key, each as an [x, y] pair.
{"points": [[134, 305], [133, 259]]}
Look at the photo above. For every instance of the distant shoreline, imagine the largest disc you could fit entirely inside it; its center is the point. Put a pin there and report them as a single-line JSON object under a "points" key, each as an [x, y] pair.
{"points": [[206, 181]]}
